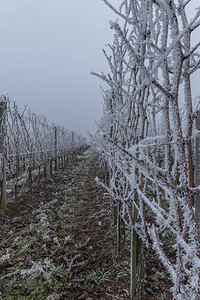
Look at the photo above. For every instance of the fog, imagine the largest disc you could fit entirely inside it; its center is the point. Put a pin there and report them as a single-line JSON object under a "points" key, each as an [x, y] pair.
{"points": [[48, 49]]}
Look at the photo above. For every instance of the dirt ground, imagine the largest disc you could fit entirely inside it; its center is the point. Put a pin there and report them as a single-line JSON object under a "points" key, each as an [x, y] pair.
{"points": [[58, 242]]}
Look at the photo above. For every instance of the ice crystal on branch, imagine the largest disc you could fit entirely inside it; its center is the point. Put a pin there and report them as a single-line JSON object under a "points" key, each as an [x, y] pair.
{"points": [[146, 134]]}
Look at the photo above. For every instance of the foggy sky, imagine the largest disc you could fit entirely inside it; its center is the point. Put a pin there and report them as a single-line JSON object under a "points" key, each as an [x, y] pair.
{"points": [[48, 49]]}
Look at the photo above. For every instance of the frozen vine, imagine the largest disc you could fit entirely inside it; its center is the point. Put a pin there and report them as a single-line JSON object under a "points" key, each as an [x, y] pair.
{"points": [[147, 131]]}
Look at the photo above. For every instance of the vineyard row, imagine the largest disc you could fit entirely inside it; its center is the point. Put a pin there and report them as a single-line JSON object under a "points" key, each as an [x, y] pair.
{"points": [[28, 142]]}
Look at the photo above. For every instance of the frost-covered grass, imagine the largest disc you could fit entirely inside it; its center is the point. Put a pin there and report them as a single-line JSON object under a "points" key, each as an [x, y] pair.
{"points": [[22, 180], [37, 263]]}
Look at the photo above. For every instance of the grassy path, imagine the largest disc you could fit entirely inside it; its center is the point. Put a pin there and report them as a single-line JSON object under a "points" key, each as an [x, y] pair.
{"points": [[58, 242]]}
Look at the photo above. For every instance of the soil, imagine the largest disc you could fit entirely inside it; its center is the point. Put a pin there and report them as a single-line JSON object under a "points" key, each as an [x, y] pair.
{"points": [[88, 252]]}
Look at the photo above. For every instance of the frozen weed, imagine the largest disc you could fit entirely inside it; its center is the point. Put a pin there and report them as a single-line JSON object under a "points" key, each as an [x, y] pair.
{"points": [[56, 242], [29, 273], [6, 257], [53, 296], [97, 276], [46, 270]]}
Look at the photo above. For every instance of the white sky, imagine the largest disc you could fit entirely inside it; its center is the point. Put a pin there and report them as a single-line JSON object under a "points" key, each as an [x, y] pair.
{"points": [[48, 49]]}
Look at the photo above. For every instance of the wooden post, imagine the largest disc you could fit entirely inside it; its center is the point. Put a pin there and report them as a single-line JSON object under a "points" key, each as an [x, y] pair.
{"points": [[133, 262], [133, 255], [56, 151], [62, 158], [39, 174], [118, 229], [24, 163], [120, 233], [16, 187], [17, 165], [140, 270], [45, 170], [30, 179], [137, 261], [197, 168], [123, 237], [72, 147], [115, 212], [112, 209], [106, 174], [17, 170], [59, 161], [51, 167], [3, 151], [30, 168]]}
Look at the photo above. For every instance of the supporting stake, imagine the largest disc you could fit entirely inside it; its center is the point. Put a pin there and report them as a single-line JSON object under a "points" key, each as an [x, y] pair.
{"points": [[120, 233], [56, 151], [197, 168], [3, 186], [51, 167], [30, 179], [39, 174], [133, 261], [3, 151], [45, 171]]}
